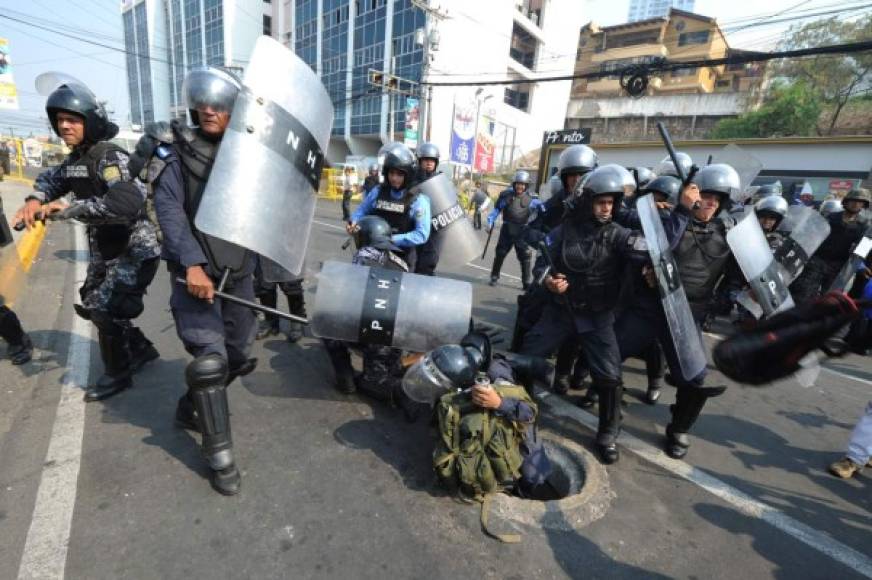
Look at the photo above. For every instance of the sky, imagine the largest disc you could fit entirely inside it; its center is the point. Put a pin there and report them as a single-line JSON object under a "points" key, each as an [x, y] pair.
{"points": [[34, 51]]}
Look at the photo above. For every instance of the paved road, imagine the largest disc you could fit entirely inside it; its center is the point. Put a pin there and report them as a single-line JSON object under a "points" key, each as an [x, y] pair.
{"points": [[337, 486]]}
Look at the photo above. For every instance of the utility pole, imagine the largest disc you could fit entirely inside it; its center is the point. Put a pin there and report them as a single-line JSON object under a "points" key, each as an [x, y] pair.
{"points": [[430, 43]]}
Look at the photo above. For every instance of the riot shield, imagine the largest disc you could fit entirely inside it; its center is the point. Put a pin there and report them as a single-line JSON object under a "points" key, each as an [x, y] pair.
{"points": [[424, 382], [745, 164], [369, 305], [804, 231], [685, 336], [262, 189], [858, 257], [751, 250], [47, 82], [453, 235]]}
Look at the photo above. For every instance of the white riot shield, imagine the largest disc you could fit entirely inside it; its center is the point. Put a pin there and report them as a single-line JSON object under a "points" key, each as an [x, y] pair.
{"points": [[804, 231], [751, 250], [453, 234], [746, 165], [262, 189], [849, 270], [685, 335], [367, 305]]}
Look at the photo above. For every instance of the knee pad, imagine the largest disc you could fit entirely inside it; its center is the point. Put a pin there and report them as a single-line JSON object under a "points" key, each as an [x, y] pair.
{"points": [[206, 371]]}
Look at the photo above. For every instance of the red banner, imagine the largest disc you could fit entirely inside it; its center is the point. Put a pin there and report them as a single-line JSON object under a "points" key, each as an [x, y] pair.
{"points": [[484, 147]]}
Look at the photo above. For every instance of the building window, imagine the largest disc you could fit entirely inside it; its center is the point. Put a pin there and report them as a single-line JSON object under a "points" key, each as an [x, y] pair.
{"points": [[518, 96], [632, 39], [267, 25], [724, 83], [523, 46], [616, 66], [698, 37], [685, 72]]}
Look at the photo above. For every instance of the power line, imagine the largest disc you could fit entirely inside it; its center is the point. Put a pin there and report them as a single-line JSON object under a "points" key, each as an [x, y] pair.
{"points": [[666, 65]]}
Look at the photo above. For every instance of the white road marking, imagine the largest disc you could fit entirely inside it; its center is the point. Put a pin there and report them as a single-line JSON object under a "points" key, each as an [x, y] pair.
{"points": [[471, 265], [741, 501], [45, 550]]}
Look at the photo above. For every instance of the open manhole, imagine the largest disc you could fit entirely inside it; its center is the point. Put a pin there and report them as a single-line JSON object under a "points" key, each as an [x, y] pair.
{"points": [[581, 492]]}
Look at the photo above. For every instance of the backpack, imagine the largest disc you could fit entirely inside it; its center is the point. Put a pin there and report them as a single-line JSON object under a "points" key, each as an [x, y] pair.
{"points": [[478, 453]]}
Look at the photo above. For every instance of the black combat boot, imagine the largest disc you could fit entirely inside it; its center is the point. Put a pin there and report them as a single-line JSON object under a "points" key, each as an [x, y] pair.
{"points": [[142, 350], [117, 374], [495, 269], [340, 359], [609, 428], [20, 346], [207, 377], [297, 308], [689, 402], [186, 415]]}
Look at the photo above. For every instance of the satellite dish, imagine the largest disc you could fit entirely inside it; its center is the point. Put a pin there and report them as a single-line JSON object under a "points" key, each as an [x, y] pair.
{"points": [[46, 83]]}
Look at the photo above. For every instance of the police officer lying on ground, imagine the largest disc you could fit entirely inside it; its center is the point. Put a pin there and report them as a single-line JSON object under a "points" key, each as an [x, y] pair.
{"points": [[407, 213], [122, 241], [455, 375], [216, 333]]}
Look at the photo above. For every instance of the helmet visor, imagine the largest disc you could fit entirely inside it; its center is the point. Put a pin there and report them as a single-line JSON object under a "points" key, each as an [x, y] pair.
{"points": [[424, 382], [210, 88]]}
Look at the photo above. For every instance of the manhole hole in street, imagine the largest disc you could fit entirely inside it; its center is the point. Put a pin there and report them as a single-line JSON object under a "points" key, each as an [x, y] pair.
{"points": [[579, 493]]}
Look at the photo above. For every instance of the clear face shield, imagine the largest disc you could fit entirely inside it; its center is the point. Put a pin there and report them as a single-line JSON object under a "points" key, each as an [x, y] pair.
{"points": [[424, 382], [210, 87]]}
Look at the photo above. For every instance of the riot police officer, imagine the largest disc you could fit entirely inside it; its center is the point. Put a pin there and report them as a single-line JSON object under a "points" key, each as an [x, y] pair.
{"points": [[518, 207], [371, 179], [703, 258], [406, 212], [428, 164], [122, 242], [846, 229], [218, 334], [589, 251], [574, 162]]}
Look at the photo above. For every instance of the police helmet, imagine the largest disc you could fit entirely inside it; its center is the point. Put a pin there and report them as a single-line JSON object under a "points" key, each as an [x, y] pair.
{"points": [[400, 158], [576, 159], [210, 87], [830, 206], [769, 189], [373, 168], [611, 179], [665, 185], [643, 176], [428, 151], [374, 231], [478, 347], [667, 167], [858, 195], [455, 362], [772, 206], [522, 176], [721, 179], [76, 98]]}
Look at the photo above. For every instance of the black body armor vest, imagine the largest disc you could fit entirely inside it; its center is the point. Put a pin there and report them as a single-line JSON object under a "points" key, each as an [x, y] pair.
{"points": [[702, 254], [843, 236], [517, 210], [592, 266], [395, 211], [196, 155], [80, 175]]}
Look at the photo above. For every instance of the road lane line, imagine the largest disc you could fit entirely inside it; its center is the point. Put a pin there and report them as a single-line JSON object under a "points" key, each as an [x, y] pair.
{"points": [[471, 265], [45, 550], [741, 501]]}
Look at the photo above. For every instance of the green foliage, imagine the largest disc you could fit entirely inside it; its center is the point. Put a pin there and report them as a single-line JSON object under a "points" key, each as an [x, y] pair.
{"points": [[836, 78], [791, 110]]}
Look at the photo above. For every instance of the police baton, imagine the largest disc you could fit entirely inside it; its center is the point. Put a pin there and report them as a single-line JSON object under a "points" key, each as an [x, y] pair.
{"points": [[490, 232], [252, 305], [667, 141]]}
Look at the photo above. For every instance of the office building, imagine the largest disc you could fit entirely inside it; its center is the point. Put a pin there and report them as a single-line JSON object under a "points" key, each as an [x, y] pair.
{"points": [[644, 9]]}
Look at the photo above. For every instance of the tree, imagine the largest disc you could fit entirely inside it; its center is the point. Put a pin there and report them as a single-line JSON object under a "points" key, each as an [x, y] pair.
{"points": [[836, 78], [789, 110]]}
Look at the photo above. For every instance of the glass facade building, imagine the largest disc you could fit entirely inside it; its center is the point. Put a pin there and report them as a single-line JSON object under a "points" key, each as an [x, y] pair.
{"points": [[643, 9], [371, 30]]}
